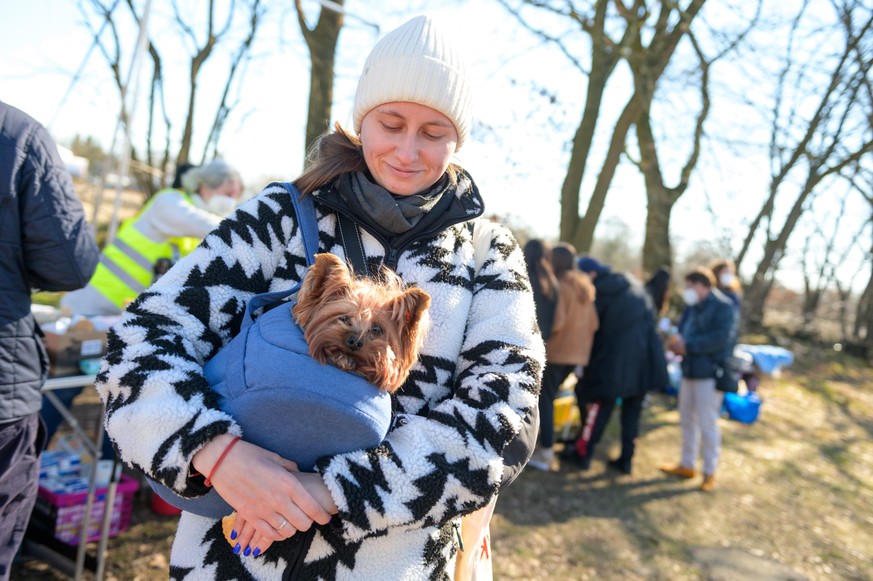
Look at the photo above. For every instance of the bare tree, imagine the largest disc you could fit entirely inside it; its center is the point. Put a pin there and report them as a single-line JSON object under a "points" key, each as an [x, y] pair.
{"points": [[156, 99], [661, 197], [322, 43], [203, 45], [646, 35], [255, 14], [809, 152], [819, 268]]}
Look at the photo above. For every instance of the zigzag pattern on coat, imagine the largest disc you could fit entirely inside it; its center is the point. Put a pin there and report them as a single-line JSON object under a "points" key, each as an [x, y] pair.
{"points": [[477, 375]]}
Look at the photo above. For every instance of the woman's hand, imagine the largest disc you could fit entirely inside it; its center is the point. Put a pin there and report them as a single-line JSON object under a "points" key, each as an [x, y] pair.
{"points": [[316, 487], [263, 488], [250, 542]]}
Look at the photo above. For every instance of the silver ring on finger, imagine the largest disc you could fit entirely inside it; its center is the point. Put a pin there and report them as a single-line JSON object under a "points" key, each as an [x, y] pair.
{"points": [[281, 526]]}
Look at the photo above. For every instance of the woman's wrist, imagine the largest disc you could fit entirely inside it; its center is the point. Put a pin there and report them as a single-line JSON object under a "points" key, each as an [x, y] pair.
{"points": [[205, 458]]}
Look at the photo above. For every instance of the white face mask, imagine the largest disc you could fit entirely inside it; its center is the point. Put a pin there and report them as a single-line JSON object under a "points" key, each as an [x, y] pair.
{"points": [[221, 205], [690, 297], [726, 279]]}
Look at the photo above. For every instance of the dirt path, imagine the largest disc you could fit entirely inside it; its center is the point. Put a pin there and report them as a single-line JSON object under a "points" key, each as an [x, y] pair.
{"points": [[795, 488], [793, 501]]}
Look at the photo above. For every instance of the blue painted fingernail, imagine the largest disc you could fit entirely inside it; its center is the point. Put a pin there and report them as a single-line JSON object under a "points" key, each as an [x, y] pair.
{"points": [[233, 535], [236, 549], [247, 552], [256, 552]]}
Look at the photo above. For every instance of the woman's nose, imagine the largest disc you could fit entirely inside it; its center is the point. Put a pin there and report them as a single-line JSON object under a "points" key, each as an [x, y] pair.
{"points": [[407, 149]]}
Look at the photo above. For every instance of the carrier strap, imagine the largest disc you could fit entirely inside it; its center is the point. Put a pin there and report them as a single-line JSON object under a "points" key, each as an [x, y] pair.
{"points": [[307, 222]]}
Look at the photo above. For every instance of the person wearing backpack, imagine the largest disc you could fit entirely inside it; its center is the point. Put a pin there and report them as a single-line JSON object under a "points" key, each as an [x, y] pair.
{"points": [[385, 194]]}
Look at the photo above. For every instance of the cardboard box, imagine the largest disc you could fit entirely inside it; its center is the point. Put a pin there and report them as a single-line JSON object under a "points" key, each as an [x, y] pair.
{"points": [[66, 350]]}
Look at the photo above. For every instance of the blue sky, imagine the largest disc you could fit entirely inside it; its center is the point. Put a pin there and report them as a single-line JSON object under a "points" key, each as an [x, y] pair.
{"points": [[519, 166]]}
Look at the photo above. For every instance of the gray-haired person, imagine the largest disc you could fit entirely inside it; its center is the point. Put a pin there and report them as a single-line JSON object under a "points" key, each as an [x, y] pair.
{"points": [[168, 227]]}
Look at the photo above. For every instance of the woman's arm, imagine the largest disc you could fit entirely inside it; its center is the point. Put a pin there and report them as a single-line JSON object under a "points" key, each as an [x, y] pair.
{"points": [[432, 469], [159, 409]]}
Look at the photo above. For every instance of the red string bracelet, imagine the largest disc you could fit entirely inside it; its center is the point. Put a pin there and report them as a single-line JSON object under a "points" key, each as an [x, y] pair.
{"points": [[208, 481]]}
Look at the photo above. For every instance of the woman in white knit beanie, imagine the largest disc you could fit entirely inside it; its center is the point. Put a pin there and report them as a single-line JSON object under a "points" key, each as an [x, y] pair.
{"points": [[414, 84], [386, 195]]}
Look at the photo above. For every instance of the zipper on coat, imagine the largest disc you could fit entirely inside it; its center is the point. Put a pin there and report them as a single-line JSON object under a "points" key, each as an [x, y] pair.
{"points": [[456, 525]]}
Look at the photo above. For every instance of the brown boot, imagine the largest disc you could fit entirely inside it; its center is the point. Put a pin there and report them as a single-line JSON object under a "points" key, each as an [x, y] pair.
{"points": [[680, 471], [708, 483]]}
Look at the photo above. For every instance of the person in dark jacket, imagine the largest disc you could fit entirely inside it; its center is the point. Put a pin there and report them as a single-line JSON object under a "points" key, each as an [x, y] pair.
{"points": [[626, 361], [45, 243], [707, 334]]}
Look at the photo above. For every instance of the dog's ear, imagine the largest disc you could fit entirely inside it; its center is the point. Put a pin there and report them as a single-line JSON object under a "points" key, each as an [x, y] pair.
{"points": [[410, 309], [327, 277]]}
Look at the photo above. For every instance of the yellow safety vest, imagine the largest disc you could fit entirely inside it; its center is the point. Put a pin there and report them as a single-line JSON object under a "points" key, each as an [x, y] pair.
{"points": [[127, 265]]}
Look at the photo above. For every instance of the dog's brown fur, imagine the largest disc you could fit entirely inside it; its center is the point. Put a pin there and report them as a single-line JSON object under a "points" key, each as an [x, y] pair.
{"points": [[370, 327]]}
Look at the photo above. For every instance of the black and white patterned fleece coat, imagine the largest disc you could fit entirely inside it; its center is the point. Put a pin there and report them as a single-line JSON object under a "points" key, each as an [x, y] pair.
{"points": [[478, 374]]}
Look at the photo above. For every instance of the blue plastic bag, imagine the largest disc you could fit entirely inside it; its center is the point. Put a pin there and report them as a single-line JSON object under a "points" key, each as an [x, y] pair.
{"points": [[742, 408]]}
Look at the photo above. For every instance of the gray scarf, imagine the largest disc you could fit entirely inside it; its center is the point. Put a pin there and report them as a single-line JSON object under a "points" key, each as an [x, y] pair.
{"points": [[376, 205]]}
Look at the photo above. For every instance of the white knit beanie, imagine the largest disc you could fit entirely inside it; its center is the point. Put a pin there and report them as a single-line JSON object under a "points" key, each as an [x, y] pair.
{"points": [[417, 64]]}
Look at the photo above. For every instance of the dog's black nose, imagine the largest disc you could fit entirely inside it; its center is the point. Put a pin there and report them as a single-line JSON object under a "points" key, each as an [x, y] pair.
{"points": [[354, 343]]}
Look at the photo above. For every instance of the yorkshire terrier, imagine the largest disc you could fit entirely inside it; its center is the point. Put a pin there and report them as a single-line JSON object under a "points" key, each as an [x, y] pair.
{"points": [[372, 327]]}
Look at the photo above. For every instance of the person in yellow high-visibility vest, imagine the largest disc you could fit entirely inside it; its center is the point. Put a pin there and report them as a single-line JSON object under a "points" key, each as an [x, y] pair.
{"points": [[168, 227]]}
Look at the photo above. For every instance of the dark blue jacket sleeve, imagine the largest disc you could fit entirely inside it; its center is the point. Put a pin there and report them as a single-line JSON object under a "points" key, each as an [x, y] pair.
{"points": [[58, 244]]}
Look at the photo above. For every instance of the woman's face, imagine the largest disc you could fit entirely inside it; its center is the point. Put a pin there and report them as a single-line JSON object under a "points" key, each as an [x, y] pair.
{"points": [[407, 146]]}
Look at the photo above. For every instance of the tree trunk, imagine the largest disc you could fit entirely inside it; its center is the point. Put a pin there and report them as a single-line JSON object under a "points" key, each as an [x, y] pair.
{"points": [[603, 62], [576, 167], [196, 62], [811, 300], [864, 314], [657, 251], [863, 328], [756, 292], [583, 234], [322, 41]]}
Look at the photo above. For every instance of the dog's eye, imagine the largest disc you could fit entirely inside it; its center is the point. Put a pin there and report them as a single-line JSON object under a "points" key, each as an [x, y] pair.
{"points": [[376, 330], [344, 319]]}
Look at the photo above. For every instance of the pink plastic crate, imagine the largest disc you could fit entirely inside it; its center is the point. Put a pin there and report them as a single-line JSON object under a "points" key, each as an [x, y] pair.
{"points": [[62, 513]]}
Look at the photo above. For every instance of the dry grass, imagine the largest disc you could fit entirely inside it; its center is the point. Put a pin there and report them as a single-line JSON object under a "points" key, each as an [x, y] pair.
{"points": [[796, 488]]}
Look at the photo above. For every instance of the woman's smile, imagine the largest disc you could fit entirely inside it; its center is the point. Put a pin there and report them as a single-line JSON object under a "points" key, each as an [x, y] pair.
{"points": [[407, 146]]}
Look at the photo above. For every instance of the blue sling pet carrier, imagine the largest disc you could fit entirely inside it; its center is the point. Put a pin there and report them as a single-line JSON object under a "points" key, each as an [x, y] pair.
{"points": [[284, 400]]}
